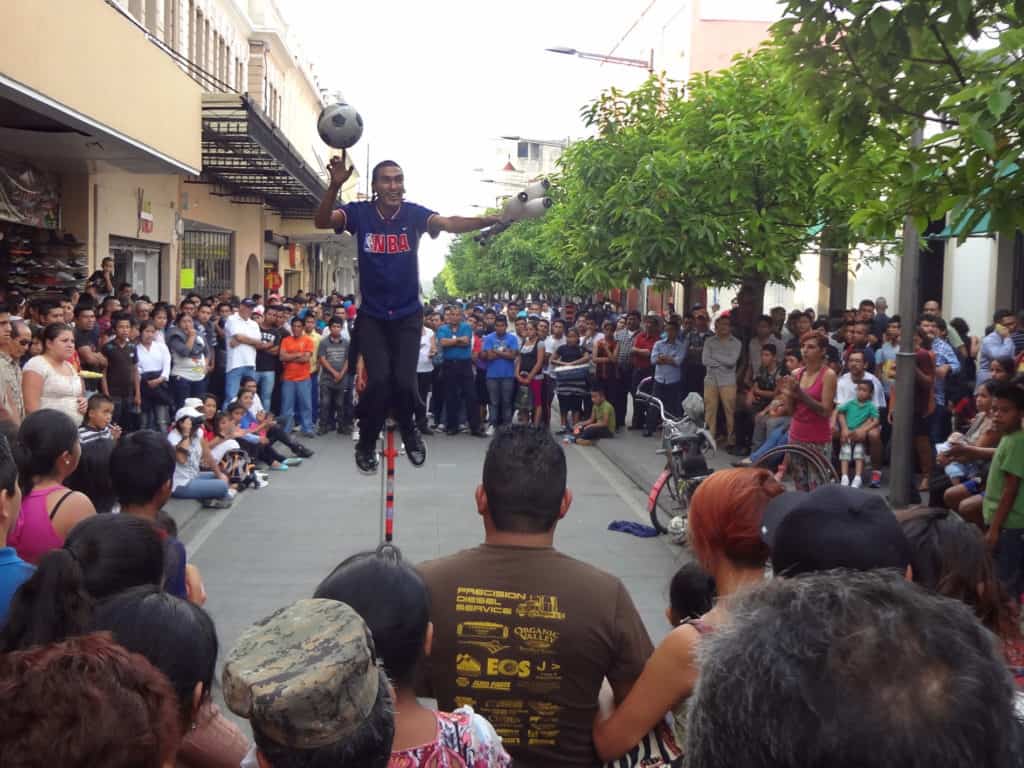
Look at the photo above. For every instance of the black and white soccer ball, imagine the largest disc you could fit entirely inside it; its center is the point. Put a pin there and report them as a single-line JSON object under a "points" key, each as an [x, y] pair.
{"points": [[339, 125]]}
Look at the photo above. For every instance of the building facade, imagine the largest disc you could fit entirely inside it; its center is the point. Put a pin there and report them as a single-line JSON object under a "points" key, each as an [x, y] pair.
{"points": [[176, 136]]}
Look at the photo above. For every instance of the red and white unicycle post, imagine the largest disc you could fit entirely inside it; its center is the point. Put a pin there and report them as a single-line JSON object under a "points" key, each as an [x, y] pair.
{"points": [[388, 452]]}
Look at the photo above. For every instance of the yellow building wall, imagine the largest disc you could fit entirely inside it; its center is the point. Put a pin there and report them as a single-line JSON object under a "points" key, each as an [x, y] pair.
{"points": [[86, 56]]}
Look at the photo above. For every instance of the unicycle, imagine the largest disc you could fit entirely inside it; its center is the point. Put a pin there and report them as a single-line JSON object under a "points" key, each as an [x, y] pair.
{"points": [[388, 452]]}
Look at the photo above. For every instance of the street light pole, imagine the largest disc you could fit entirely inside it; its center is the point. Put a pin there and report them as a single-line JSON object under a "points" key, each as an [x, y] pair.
{"points": [[901, 490], [604, 58]]}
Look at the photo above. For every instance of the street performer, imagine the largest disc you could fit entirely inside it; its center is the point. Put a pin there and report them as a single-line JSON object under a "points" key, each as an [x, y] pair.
{"points": [[387, 231]]}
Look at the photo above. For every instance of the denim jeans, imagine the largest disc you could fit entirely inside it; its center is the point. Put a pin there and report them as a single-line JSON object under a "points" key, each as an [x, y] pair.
{"points": [[233, 381], [205, 485], [183, 388], [501, 391], [314, 398], [265, 384], [778, 436], [296, 401]]}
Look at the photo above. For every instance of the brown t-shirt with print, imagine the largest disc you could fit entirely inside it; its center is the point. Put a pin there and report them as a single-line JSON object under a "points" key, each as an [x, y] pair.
{"points": [[525, 636]]}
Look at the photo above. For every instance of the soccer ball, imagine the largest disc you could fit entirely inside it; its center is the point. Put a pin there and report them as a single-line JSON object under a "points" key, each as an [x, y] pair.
{"points": [[339, 125], [677, 529]]}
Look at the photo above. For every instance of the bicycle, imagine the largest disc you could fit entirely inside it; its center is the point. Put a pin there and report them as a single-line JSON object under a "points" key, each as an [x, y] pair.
{"points": [[687, 445]]}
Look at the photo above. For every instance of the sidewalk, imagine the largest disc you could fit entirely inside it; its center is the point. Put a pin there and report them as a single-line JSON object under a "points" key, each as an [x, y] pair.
{"points": [[635, 455]]}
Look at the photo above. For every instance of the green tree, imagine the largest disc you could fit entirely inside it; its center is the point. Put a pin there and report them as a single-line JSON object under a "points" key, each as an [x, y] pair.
{"points": [[724, 184], [875, 70]]}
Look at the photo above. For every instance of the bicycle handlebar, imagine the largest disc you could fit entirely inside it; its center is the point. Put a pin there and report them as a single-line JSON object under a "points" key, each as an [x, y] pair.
{"points": [[647, 398]]}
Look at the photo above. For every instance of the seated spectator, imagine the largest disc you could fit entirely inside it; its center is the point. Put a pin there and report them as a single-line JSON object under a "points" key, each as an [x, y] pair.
{"points": [[857, 418], [403, 636], [13, 570], [179, 639], [890, 675], [191, 454], [268, 426], [306, 677], [581, 618], [949, 557], [1002, 369], [725, 534], [103, 555], [691, 594], [122, 709], [846, 392], [47, 453], [963, 475], [601, 423], [143, 494], [247, 434], [833, 527]]}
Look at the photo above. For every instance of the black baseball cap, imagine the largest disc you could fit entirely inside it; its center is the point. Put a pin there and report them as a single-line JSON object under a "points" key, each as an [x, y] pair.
{"points": [[247, 303], [833, 527]]}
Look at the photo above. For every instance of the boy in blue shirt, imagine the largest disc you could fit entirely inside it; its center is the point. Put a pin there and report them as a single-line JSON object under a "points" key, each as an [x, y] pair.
{"points": [[499, 350], [13, 570], [387, 231]]}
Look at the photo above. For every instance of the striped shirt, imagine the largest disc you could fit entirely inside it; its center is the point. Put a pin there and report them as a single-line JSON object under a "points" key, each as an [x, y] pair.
{"points": [[88, 434], [624, 342]]}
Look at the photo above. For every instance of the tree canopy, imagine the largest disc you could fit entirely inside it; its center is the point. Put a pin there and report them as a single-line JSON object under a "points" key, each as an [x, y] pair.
{"points": [[873, 71]]}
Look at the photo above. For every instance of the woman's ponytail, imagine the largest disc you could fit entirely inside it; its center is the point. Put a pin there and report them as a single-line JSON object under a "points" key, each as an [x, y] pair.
{"points": [[51, 606]]}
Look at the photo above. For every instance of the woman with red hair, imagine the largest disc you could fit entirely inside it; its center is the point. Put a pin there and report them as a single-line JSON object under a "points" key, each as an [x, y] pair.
{"points": [[725, 535]]}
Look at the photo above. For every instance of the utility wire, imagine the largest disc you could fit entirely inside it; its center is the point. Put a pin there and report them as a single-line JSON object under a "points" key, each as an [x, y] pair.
{"points": [[631, 28]]}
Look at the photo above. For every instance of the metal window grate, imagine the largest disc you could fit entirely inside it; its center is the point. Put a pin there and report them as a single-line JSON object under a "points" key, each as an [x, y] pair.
{"points": [[210, 255]]}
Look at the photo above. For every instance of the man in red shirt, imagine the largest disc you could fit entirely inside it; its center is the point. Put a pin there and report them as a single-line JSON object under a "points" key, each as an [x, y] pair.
{"points": [[296, 393], [642, 367]]}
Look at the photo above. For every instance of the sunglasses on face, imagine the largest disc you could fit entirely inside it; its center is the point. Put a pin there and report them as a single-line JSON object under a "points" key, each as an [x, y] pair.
{"points": [[24, 342]]}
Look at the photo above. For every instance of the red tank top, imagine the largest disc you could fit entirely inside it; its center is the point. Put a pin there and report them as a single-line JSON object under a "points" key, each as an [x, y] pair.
{"points": [[806, 425]]}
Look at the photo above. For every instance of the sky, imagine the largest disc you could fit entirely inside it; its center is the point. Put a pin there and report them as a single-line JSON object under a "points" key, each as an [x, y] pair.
{"points": [[435, 82]]}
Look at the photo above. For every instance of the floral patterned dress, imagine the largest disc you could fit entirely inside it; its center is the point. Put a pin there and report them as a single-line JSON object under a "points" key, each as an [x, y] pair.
{"points": [[464, 740]]}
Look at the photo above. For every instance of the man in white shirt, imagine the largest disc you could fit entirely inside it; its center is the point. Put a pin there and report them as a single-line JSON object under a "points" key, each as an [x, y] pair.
{"points": [[242, 335], [846, 390]]}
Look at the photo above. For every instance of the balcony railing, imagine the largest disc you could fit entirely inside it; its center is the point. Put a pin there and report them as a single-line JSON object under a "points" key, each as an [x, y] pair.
{"points": [[207, 80]]}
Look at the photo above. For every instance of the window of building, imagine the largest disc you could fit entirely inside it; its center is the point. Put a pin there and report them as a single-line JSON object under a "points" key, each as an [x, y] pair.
{"points": [[172, 34], [534, 150], [191, 30], [200, 24], [210, 255], [523, 150], [239, 75], [207, 48]]}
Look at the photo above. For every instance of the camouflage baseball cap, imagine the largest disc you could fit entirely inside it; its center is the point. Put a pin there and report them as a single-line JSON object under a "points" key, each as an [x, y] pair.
{"points": [[306, 675]]}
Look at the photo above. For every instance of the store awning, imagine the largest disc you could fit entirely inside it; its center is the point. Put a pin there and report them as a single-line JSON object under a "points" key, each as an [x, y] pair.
{"points": [[982, 229], [249, 160]]}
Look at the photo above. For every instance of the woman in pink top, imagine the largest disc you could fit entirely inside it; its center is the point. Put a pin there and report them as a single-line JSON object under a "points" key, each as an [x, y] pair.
{"points": [[812, 391], [50, 451]]}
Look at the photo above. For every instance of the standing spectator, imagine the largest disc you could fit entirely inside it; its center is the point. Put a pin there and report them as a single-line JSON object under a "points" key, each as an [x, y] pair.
{"points": [[87, 341], [456, 340], [618, 393], [605, 357], [880, 322], [188, 359], [667, 355], [725, 533], [972, 345], [812, 391], [643, 367], [694, 373], [528, 366], [885, 358], [306, 677], [242, 337], [12, 404], [101, 282], [296, 396], [720, 357], [424, 372], [154, 373], [312, 332], [49, 380], [121, 379], [932, 307], [500, 350], [947, 368], [857, 417], [581, 619], [572, 381], [924, 405], [49, 453], [847, 686], [552, 344], [333, 354], [1018, 334], [998, 343]]}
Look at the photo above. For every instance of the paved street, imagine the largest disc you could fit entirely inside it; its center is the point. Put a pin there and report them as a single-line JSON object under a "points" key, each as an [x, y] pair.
{"points": [[276, 544]]}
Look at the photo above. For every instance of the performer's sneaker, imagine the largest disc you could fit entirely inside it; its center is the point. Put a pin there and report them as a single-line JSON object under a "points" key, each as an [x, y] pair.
{"points": [[366, 459], [415, 448]]}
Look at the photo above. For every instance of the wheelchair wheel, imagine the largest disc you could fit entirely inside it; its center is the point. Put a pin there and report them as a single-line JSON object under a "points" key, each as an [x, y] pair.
{"points": [[814, 470], [669, 499]]}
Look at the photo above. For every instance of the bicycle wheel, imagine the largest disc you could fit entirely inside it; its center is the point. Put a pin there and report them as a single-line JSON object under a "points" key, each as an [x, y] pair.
{"points": [[669, 505], [814, 469]]}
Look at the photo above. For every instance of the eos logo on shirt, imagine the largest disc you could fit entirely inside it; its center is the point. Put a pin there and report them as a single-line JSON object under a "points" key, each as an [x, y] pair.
{"points": [[386, 243]]}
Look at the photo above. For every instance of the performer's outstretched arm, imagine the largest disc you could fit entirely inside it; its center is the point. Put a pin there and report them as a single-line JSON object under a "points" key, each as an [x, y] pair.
{"points": [[458, 225]]}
